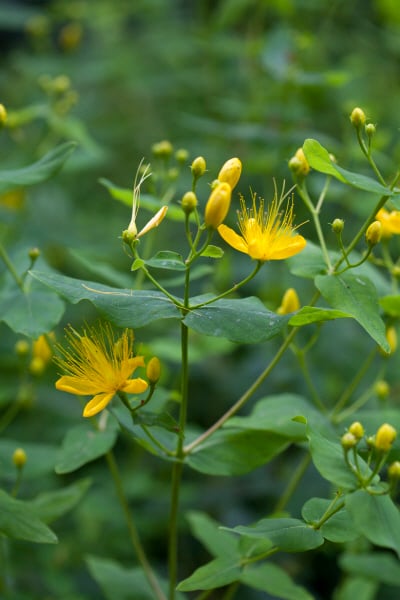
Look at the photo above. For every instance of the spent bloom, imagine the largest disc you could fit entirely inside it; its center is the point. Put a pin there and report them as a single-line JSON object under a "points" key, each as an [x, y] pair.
{"points": [[98, 364], [132, 233], [390, 222], [265, 234]]}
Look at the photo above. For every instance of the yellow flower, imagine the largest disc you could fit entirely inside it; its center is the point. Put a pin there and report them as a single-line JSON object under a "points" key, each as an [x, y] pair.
{"points": [[266, 235], [390, 222], [95, 363]]}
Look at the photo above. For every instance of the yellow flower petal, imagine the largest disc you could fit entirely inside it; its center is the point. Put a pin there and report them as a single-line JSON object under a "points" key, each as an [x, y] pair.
{"points": [[74, 385], [97, 404], [232, 238], [135, 386]]}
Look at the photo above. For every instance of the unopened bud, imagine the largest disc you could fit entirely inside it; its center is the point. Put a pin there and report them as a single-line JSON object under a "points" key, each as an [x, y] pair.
{"points": [[217, 206], [290, 302], [19, 458], [337, 226], [34, 253], [348, 440], [391, 336], [358, 118], [181, 155], [230, 172], [189, 202], [357, 430], [382, 389], [385, 437], [3, 115], [153, 370], [198, 167], [37, 366], [394, 470], [370, 129], [374, 233], [173, 174], [22, 348], [298, 164], [162, 149]]}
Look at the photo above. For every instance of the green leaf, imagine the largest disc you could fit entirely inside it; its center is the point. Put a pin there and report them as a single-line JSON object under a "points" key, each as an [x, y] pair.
{"points": [[276, 413], [148, 202], [49, 506], [217, 573], [391, 305], [339, 528], [319, 159], [23, 310], [356, 295], [328, 458], [381, 566], [310, 262], [167, 260], [274, 580], [376, 517], [313, 314], [39, 171], [289, 535], [137, 264], [120, 583], [357, 587], [217, 541], [152, 419], [126, 308], [213, 252], [83, 443], [235, 452], [245, 320], [19, 521]]}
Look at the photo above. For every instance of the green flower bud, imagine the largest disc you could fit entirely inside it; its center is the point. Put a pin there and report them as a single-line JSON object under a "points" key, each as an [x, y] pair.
{"points": [[358, 117], [189, 202], [374, 233], [198, 167], [370, 129], [181, 155], [22, 348], [162, 149], [394, 470], [19, 458], [348, 440], [337, 226], [382, 389], [357, 430]]}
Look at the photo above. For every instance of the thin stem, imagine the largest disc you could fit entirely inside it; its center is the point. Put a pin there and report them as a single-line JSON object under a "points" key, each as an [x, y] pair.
{"points": [[244, 398], [367, 152], [173, 528], [330, 511], [134, 536], [307, 377], [293, 483], [155, 441], [344, 398], [303, 193], [7, 261], [232, 289]]}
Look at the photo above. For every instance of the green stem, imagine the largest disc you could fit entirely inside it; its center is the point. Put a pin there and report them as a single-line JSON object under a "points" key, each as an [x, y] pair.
{"points": [[330, 511], [344, 398], [244, 398], [156, 442], [303, 193], [134, 536], [232, 289], [293, 483], [367, 152], [10, 267], [307, 377]]}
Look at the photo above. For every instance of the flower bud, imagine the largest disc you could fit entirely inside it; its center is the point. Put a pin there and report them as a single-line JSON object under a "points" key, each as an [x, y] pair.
{"points": [[153, 370], [290, 302], [189, 202], [298, 164], [19, 458], [3, 115], [370, 129], [37, 366], [394, 470], [357, 430], [348, 440], [391, 336], [181, 155], [61, 84], [385, 437], [162, 149], [198, 167], [382, 389], [34, 254], [217, 206], [173, 174], [230, 172], [337, 226], [70, 36], [358, 118], [22, 348], [374, 233]]}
